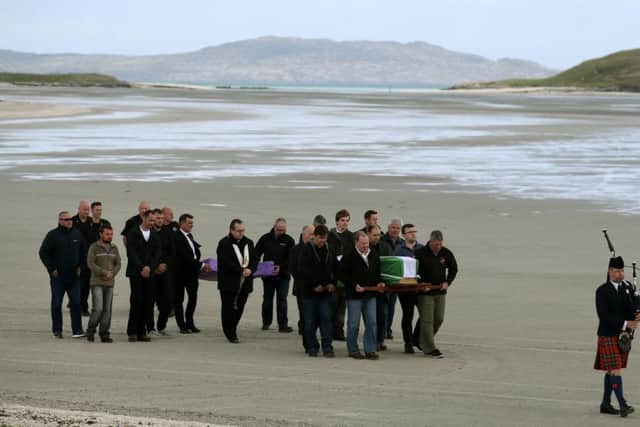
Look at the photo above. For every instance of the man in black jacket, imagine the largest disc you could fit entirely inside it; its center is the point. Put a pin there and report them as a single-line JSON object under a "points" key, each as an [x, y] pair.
{"points": [[360, 268], [236, 264], [275, 246], [306, 235], [82, 222], [135, 221], [341, 243], [160, 291], [143, 255], [318, 269], [63, 253], [382, 248], [616, 315], [187, 270], [438, 266]]}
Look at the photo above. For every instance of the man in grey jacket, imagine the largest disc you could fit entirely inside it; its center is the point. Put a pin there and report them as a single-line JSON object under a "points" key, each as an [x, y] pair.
{"points": [[103, 259]]}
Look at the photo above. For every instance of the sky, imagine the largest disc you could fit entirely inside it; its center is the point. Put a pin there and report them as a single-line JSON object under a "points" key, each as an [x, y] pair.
{"points": [[555, 33]]}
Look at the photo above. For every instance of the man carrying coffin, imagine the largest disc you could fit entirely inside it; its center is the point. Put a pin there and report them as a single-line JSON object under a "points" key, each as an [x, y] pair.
{"points": [[318, 268], [616, 315], [438, 266], [236, 264], [360, 268]]}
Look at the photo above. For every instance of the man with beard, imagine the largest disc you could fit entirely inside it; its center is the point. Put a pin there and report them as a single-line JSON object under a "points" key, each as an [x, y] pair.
{"points": [[236, 264], [143, 255], [104, 262], [275, 246], [160, 294]]}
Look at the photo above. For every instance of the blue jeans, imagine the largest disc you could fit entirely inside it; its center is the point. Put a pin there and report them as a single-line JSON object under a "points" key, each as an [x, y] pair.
{"points": [[317, 311], [280, 287], [367, 309], [70, 285]]}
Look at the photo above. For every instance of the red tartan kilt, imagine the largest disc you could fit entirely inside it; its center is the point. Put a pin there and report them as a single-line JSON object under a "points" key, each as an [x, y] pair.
{"points": [[609, 357]]}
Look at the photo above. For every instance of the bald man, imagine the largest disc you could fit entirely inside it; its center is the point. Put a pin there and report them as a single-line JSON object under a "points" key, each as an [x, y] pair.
{"points": [[82, 222], [135, 221]]}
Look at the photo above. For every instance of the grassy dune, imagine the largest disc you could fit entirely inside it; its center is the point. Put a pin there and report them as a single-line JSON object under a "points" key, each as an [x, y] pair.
{"points": [[75, 80]]}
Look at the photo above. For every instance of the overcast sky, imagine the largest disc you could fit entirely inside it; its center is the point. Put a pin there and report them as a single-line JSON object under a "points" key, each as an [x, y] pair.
{"points": [[555, 33]]}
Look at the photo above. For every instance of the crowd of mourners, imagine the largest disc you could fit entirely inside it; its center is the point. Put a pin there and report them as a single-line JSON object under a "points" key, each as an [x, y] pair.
{"points": [[336, 273]]}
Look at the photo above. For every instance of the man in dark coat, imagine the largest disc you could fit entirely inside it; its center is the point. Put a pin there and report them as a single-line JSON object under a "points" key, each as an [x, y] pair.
{"points": [[83, 223], [341, 243], [306, 235], [275, 246], [318, 270], [63, 253], [382, 248], [616, 315], [143, 257], [187, 271], [236, 264]]}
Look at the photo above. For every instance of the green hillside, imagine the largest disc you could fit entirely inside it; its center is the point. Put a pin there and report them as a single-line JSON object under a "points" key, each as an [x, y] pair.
{"points": [[75, 80], [618, 72]]}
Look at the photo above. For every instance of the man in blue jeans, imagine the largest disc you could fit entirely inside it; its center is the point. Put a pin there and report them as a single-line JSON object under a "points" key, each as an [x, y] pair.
{"points": [[63, 253], [359, 269], [317, 268], [276, 246]]}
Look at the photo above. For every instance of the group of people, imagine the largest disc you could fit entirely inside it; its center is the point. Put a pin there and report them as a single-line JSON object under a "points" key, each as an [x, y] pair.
{"points": [[336, 278]]}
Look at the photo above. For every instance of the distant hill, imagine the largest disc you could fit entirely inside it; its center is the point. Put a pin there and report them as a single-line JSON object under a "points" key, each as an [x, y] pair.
{"points": [[290, 61], [81, 80], [619, 71]]}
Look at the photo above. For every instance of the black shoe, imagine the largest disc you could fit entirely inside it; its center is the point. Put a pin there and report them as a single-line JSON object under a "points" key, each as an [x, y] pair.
{"points": [[85, 313], [608, 409], [339, 336], [417, 345], [435, 354], [372, 356], [389, 336], [408, 348], [144, 338], [234, 340], [329, 354], [382, 347], [90, 338], [356, 355], [194, 330], [626, 410], [265, 327], [185, 330], [313, 354], [106, 339], [285, 329], [58, 335], [132, 338]]}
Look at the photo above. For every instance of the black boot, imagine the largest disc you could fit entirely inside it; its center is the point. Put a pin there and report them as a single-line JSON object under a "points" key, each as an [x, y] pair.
{"points": [[606, 408], [625, 410]]}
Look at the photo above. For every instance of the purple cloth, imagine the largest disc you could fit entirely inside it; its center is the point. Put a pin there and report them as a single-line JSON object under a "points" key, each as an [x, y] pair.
{"points": [[265, 269]]}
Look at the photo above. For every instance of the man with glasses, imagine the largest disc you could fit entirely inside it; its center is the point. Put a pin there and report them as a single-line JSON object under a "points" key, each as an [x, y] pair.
{"points": [[63, 253]]}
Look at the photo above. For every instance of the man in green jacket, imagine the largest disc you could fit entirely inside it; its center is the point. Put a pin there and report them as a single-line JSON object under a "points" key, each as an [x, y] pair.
{"points": [[104, 262]]}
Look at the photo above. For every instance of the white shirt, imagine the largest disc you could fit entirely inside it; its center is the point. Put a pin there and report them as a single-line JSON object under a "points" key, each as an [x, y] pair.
{"points": [[146, 234], [193, 249], [365, 256]]}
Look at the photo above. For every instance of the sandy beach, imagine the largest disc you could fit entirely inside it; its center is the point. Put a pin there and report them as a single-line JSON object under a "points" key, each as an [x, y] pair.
{"points": [[519, 333]]}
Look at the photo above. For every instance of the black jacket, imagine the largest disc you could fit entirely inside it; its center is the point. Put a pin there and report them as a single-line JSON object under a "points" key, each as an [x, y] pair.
{"points": [[230, 269], [294, 267], [354, 271], [63, 249], [383, 248], [276, 250], [187, 268], [167, 247], [393, 244], [341, 243], [613, 308], [131, 224], [141, 253], [436, 269], [317, 267], [83, 227], [94, 230]]}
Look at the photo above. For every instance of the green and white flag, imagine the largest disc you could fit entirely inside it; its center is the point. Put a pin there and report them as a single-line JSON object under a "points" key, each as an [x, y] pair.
{"points": [[396, 268]]}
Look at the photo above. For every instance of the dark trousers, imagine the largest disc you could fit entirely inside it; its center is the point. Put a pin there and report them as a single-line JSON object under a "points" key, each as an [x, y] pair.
{"points": [[338, 310], [160, 296], [409, 302], [300, 304], [139, 303], [278, 286], [231, 310], [71, 286], [184, 318], [85, 289], [391, 309], [317, 311], [382, 310]]}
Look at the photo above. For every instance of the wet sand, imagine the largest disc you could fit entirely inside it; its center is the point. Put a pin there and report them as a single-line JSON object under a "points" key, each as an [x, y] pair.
{"points": [[519, 332]]}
